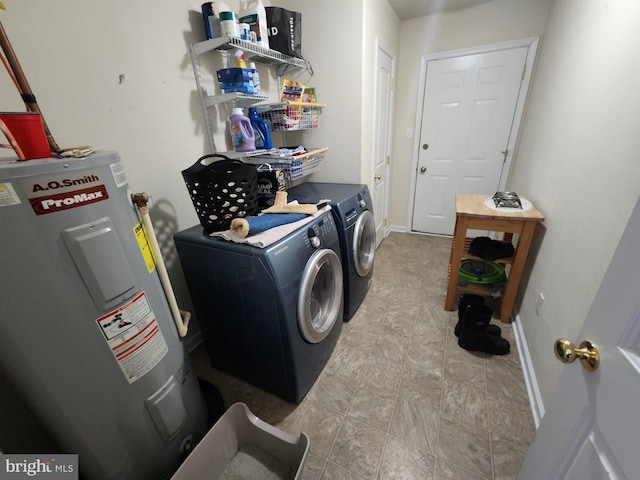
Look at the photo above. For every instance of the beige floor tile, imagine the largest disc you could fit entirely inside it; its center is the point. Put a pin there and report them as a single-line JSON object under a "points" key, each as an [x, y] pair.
{"points": [[415, 425], [422, 387], [372, 406], [391, 345], [358, 448], [382, 373], [447, 471], [334, 471], [465, 372], [321, 424], [465, 403], [333, 391], [403, 462], [508, 455], [510, 418], [313, 467], [465, 446]]}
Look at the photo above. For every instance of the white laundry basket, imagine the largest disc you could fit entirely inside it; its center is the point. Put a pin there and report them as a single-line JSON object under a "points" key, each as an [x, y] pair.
{"points": [[241, 446]]}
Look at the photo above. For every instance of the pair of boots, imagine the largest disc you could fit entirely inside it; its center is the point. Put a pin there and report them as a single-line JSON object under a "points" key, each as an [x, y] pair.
{"points": [[473, 329]]}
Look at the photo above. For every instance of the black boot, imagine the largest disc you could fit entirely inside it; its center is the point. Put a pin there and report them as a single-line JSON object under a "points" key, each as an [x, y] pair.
{"points": [[475, 335], [467, 299]]}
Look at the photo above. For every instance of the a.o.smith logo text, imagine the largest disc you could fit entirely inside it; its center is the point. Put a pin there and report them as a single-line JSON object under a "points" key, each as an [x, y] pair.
{"points": [[65, 182], [67, 200]]}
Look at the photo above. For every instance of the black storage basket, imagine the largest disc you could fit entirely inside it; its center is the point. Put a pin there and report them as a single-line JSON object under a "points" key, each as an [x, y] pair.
{"points": [[222, 190]]}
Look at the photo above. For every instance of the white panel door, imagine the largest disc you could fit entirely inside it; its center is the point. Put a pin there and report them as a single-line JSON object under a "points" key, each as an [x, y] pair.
{"points": [[591, 427], [382, 137], [468, 112]]}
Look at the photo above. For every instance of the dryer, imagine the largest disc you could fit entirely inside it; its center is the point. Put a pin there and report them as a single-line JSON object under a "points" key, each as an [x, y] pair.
{"points": [[269, 316], [353, 212]]}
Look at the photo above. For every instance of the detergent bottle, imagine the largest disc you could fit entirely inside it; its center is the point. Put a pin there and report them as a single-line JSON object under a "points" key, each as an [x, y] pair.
{"points": [[262, 136], [254, 13], [241, 132]]}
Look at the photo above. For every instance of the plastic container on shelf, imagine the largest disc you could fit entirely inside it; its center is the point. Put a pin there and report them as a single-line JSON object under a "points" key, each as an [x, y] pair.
{"points": [[229, 24], [254, 13], [256, 76], [262, 135], [241, 132]]}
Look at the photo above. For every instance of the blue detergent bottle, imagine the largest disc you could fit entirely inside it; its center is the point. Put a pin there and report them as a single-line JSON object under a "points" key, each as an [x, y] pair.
{"points": [[262, 136]]}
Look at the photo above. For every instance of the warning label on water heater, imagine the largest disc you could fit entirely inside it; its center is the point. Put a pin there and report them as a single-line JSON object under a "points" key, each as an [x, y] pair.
{"points": [[134, 337]]}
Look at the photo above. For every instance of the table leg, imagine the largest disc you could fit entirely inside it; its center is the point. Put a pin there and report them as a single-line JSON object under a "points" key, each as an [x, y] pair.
{"points": [[517, 268], [457, 248]]}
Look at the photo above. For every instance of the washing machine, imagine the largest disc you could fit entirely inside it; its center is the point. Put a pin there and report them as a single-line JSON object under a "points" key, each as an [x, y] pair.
{"points": [[269, 316], [353, 212]]}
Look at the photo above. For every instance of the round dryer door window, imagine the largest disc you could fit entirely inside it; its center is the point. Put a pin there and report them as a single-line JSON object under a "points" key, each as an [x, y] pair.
{"points": [[364, 243], [321, 296]]}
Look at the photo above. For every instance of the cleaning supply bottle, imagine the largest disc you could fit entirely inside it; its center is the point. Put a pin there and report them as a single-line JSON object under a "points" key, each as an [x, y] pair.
{"points": [[256, 77], [241, 132], [254, 13], [262, 136], [241, 62]]}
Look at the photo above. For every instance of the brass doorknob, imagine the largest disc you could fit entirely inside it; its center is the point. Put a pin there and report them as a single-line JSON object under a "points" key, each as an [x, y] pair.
{"points": [[377, 177], [567, 352]]}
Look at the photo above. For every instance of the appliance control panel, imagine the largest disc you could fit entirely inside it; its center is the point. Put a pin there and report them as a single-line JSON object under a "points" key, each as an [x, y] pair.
{"points": [[322, 229]]}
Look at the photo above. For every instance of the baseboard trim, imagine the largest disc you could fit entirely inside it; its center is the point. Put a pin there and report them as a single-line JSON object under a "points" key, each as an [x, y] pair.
{"points": [[533, 392], [397, 228]]}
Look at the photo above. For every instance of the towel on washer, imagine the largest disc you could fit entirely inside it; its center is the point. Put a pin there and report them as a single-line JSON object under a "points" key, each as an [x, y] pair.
{"points": [[254, 225], [266, 238]]}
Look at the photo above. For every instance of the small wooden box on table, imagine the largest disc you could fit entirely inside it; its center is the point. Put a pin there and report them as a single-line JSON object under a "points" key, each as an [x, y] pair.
{"points": [[473, 214]]}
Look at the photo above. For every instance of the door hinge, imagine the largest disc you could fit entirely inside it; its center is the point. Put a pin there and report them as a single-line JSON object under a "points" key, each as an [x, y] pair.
{"points": [[505, 152], [385, 222], [524, 71], [392, 84], [388, 159]]}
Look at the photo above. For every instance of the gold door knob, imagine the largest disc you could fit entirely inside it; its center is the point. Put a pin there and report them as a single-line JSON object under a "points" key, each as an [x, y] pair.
{"points": [[567, 352], [377, 177]]}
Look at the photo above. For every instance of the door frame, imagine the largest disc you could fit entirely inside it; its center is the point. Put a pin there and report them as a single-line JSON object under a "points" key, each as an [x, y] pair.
{"points": [[382, 45], [532, 46]]}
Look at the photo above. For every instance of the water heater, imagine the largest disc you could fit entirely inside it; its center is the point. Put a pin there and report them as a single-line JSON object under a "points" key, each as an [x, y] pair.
{"points": [[86, 334]]}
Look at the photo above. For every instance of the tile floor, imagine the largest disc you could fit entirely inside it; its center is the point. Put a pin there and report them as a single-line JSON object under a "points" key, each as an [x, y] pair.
{"points": [[398, 398]]}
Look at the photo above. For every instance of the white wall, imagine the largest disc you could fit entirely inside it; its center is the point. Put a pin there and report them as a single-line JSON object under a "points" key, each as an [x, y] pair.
{"points": [[332, 41], [577, 160], [493, 22]]}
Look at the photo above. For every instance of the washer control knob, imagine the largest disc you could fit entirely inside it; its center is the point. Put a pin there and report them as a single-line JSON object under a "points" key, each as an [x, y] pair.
{"points": [[313, 238], [362, 203]]}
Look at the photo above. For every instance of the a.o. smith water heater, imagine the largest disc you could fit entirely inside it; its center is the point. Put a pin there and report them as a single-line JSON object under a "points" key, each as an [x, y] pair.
{"points": [[86, 334]]}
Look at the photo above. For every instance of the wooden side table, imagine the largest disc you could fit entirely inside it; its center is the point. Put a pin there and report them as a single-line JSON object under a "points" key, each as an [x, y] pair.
{"points": [[473, 214]]}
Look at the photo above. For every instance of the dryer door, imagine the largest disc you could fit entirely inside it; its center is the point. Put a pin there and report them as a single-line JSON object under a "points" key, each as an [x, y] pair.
{"points": [[364, 243], [320, 298]]}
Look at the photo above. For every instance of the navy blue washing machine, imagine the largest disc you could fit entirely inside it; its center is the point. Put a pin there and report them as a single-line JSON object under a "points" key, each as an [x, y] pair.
{"points": [[353, 212], [269, 316]]}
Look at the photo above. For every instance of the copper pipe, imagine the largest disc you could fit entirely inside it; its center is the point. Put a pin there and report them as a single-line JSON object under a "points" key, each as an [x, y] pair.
{"points": [[27, 96]]}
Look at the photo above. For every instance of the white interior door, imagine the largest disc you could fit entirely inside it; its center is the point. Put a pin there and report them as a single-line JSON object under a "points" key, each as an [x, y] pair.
{"points": [[467, 116], [382, 139], [590, 428]]}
